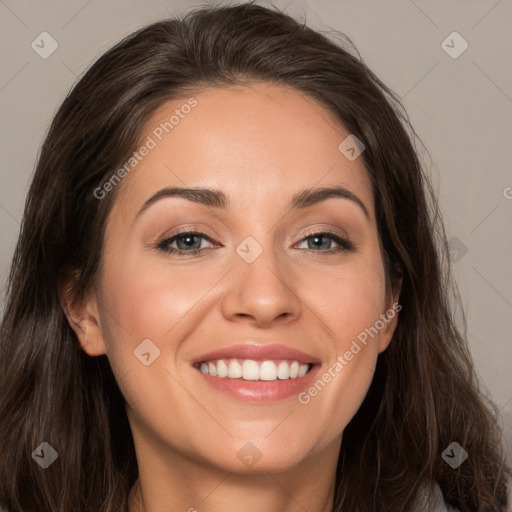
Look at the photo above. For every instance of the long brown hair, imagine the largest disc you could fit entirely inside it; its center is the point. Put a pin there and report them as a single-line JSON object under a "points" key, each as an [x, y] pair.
{"points": [[424, 395]]}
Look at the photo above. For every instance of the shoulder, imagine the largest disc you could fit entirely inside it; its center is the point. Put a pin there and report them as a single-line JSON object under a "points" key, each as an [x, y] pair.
{"points": [[431, 500]]}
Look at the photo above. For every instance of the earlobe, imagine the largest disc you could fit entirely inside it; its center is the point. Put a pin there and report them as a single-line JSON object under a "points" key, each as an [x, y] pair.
{"points": [[391, 320], [387, 333], [83, 316]]}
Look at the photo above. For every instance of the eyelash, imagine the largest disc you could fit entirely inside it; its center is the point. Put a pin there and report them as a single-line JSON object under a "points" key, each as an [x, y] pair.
{"points": [[344, 243]]}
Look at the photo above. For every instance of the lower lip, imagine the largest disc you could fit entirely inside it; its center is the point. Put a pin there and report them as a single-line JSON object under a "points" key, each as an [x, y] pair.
{"points": [[260, 390]]}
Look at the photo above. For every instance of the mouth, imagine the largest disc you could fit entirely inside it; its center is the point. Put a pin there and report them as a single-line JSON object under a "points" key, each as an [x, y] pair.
{"points": [[257, 373]]}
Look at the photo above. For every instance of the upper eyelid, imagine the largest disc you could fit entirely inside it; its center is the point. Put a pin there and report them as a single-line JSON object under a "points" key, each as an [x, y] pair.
{"points": [[189, 232]]}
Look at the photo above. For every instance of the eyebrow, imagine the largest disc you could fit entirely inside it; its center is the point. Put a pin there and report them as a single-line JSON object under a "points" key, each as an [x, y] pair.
{"points": [[215, 198]]}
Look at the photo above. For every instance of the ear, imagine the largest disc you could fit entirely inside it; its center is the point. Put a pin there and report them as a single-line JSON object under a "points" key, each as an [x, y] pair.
{"points": [[391, 315], [83, 316]]}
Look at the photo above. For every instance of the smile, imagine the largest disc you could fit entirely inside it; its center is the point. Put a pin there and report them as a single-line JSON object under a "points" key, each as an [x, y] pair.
{"points": [[249, 369]]}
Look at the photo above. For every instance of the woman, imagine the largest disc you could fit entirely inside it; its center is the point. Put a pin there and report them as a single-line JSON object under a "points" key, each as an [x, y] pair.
{"points": [[302, 356]]}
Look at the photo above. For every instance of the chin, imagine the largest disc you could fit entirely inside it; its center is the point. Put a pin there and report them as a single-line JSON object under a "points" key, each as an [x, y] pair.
{"points": [[261, 456]]}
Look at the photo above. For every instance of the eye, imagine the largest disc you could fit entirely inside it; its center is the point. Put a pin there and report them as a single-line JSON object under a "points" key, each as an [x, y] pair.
{"points": [[323, 240], [187, 242], [190, 243]]}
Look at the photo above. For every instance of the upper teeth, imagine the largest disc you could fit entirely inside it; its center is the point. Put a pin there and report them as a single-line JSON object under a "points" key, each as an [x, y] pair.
{"points": [[248, 369]]}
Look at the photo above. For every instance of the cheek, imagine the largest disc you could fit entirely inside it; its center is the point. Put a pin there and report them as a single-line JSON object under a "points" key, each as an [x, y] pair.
{"points": [[149, 302], [349, 303], [145, 304], [351, 298]]}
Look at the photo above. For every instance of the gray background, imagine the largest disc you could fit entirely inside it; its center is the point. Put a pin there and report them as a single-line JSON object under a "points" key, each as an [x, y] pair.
{"points": [[460, 107]]}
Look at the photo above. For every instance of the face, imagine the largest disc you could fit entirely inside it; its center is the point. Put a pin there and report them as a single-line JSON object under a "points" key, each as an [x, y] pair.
{"points": [[241, 279]]}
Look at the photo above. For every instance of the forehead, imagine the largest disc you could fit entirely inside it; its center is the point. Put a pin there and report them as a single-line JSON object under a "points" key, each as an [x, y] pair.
{"points": [[254, 142]]}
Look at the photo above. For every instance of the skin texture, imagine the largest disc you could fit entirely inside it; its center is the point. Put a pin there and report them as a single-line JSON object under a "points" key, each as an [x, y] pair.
{"points": [[260, 144]]}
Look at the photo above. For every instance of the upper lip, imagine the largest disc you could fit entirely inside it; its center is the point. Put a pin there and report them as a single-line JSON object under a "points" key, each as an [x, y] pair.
{"points": [[258, 352]]}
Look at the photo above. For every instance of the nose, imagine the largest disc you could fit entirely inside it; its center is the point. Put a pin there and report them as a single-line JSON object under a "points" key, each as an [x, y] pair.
{"points": [[261, 292]]}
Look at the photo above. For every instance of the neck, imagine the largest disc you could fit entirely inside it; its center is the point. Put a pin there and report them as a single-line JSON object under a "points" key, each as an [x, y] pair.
{"points": [[171, 482]]}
